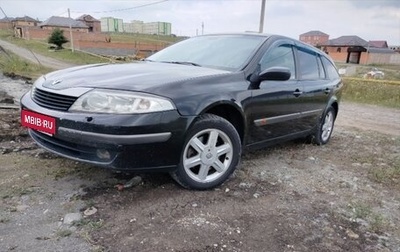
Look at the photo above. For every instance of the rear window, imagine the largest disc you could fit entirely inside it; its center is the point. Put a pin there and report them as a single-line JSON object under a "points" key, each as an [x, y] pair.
{"points": [[330, 69]]}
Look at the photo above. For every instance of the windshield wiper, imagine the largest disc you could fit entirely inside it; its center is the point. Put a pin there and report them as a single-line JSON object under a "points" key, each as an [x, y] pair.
{"points": [[182, 63]]}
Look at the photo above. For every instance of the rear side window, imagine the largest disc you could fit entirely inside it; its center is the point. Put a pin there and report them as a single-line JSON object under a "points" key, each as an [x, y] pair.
{"points": [[308, 64], [330, 69], [322, 74]]}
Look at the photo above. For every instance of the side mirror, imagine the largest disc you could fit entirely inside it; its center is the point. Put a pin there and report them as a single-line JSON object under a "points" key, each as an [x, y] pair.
{"points": [[275, 73]]}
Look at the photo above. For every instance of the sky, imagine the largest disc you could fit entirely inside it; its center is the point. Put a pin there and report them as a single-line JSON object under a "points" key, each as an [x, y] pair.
{"points": [[368, 19]]}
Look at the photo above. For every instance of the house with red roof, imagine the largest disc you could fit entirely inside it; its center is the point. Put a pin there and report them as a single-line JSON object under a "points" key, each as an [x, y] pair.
{"points": [[315, 38]]}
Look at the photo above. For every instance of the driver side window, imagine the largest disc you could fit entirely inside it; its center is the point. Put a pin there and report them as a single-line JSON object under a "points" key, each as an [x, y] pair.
{"points": [[281, 56]]}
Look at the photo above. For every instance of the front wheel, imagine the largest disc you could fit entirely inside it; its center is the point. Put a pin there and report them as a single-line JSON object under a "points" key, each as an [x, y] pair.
{"points": [[211, 153], [325, 127]]}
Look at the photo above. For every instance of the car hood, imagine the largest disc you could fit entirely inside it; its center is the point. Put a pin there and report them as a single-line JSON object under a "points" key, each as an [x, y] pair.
{"points": [[138, 76]]}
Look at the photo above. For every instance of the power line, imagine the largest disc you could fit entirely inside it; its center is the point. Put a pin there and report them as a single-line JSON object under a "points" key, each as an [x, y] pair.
{"points": [[124, 9], [60, 15]]}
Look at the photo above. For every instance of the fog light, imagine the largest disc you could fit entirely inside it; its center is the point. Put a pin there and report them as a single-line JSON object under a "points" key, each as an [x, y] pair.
{"points": [[103, 154]]}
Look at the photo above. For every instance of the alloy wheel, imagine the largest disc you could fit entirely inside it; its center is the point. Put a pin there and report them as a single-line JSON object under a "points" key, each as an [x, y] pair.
{"points": [[207, 155], [327, 126]]}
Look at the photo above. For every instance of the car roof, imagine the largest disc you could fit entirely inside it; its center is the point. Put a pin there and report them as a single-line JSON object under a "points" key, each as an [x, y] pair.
{"points": [[274, 36], [238, 34], [267, 35]]}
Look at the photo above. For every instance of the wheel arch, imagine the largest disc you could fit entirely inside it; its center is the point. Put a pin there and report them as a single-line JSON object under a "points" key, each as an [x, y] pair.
{"points": [[231, 113], [334, 103]]}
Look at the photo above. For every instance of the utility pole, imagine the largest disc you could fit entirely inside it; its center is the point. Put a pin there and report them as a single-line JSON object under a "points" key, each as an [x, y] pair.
{"points": [[262, 16], [8, 20], [202, 28], [70, 31], [4, 13]]}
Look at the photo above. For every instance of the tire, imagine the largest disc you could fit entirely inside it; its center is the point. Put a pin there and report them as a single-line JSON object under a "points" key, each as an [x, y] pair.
{"points": [[210, 154], [325, 127]]}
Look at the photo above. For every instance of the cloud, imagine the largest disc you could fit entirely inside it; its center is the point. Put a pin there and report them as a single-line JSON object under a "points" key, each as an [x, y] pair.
{"points": [[369, 19], [373, 4]]}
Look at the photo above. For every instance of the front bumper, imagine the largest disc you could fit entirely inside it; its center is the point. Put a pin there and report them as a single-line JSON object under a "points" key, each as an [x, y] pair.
{"points": [[122, 142]]}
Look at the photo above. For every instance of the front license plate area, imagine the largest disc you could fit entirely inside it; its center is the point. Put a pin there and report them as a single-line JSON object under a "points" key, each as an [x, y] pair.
{"points": [[39, 122]]}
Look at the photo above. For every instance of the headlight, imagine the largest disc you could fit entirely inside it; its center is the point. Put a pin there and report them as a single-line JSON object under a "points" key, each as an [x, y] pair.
{"points": [[120, 102]]}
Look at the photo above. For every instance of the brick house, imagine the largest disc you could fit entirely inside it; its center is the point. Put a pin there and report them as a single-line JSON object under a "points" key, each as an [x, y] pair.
{"points": [[24, 21], [378, 43], [63, 23], [6, 23], [353, 49], [43, 30], [315, 38], [19, 23], [93, 24]]}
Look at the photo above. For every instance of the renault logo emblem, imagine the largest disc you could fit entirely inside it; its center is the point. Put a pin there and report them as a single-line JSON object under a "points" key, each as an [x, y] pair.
{"points": [[56, 82]]}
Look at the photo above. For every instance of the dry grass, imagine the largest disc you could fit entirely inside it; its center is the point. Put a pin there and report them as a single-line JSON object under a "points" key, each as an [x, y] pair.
{"points": [[11, 64], [377, 92]]}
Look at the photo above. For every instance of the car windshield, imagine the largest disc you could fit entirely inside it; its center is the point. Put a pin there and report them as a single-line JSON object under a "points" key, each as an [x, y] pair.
{"points": [[228, 52]]}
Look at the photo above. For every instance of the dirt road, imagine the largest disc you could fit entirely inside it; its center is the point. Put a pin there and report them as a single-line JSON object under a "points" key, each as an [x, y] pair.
{"points": [[370, 118], [34, 57], [344, 196]]}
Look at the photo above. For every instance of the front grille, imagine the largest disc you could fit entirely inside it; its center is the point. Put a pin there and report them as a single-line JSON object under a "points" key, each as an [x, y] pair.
{"points": [[53, 101]]}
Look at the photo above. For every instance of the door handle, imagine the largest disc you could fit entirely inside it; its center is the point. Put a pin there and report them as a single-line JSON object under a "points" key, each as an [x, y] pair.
{"points": [[327, 91], [297, 93]]}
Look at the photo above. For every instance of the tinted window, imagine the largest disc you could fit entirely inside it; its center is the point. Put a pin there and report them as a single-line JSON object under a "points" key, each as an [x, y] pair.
{"points": [[330, 69], [308, 65], [228, 52], [322, 74], [281, 56]]}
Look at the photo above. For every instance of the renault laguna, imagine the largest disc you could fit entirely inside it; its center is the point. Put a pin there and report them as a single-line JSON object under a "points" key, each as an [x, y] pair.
{"points": [[191, 109]]}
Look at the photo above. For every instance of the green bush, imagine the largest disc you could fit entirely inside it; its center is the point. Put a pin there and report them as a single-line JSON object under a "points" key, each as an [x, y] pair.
{"points": [[57, 37]]}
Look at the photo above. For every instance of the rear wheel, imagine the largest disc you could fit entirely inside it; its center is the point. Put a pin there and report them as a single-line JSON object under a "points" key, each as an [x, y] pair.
{"points": [[210, 154], [325, 127]]}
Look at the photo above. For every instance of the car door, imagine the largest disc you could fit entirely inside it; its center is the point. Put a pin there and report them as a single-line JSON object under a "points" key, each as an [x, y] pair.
{"points": [[273, 109], [317, 87]]}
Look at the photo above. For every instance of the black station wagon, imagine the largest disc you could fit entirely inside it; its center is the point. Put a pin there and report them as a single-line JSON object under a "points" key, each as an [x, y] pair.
{"points": [[190, 109]]}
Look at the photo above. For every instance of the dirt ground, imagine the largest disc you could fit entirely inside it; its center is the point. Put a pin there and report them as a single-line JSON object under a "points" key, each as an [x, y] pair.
{"points": [[344, 196]]}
